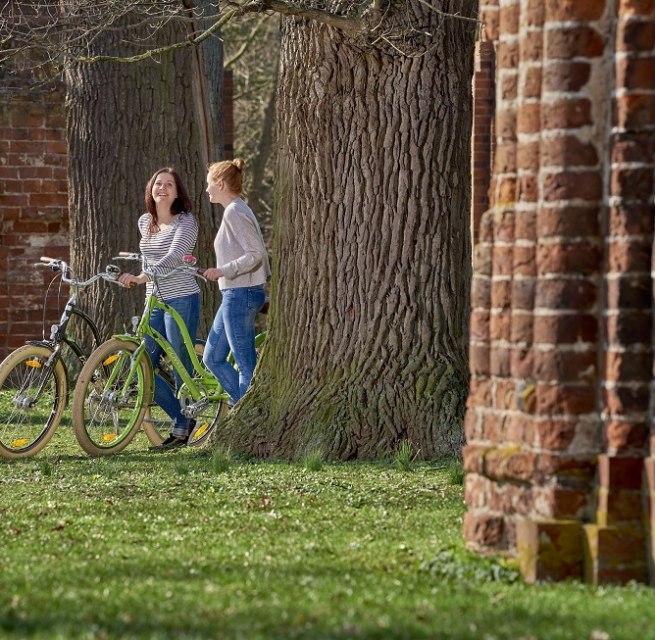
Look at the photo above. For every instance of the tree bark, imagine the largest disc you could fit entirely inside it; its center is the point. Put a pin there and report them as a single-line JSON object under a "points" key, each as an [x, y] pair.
{"points": [[125, 120], [372, 259]]}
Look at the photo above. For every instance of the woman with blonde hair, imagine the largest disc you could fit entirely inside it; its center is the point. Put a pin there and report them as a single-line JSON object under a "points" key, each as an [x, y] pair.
{"points": [[241, 270]]}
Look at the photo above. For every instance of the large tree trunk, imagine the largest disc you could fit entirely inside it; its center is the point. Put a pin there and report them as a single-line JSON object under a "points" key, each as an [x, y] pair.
{"points": [[369, 322], [125, 120]]}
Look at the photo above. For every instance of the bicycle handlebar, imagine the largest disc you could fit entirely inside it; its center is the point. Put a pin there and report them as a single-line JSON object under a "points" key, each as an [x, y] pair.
{"points": [[110, 273], [189, 265]]}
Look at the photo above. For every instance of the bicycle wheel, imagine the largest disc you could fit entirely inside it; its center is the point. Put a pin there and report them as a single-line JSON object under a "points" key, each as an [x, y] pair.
{"points": [[32, 400], [157, 424], [108, 406]]}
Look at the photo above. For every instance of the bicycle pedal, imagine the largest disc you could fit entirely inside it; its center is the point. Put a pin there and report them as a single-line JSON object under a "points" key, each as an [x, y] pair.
{"points": [[192, 410]]}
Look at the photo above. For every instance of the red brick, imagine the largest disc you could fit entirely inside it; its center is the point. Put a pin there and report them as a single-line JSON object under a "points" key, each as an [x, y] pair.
{"points": [[573, 10], [567, 150], [629, 328], [635, 73], [532, 50], [634, 111], [627, 8], [521, 328], [566, 366], [480, 291], [479, 324], [521, 366], [523, 293], [615, 554], [503, 260], [532, 83], [525, 225], [563, 399], [479, 359], [499, 325], [635, 35], [571, 113], [504, 226], [509, 86], [629, 256], [506, 188], [632, 146], [528, 188], [625, 401], [629, 292], [524, 263], [484, 530], [480, 394], [620, 473], [499, 361], [550, 550], [564, 293], [506, 124], [569, 185], [482, 259], [566, 75], [563, 502], [574, 42], [565, 329], [632, 184], [529, 118], [509, 19], [582, 258], [628, 436], [567, 221], [553, 434], [508, 54]]}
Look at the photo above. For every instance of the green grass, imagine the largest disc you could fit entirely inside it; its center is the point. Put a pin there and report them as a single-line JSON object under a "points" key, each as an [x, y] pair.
{"points": [[181, 545]]}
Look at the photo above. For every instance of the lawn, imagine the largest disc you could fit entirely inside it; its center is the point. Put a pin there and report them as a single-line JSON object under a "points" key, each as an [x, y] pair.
{"points": [[193, 544]]}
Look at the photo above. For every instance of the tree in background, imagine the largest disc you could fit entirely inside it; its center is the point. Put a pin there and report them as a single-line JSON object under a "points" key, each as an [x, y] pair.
{"points": [[252, 52], [370, 292]]}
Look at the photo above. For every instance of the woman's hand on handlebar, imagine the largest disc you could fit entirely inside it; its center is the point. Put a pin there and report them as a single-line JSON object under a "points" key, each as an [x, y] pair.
{"points": [[212, 274], [129, 280]]}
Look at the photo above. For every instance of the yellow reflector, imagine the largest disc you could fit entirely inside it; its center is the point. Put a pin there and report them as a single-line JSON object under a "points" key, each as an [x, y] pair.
{"points": [[201, 430], [33, 363], [21, 442], [108, 437], [110, 360]]}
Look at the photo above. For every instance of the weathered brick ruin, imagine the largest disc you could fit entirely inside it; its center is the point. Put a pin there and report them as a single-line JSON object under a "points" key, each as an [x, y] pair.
{"points": [[559, 456]]}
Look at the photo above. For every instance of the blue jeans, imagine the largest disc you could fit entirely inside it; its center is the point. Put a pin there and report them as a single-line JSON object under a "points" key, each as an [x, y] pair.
{"points": [[189, 309], [234, 330]]}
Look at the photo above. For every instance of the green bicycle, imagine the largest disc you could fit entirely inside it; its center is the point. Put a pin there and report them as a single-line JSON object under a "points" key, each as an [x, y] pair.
{"points": [[114, 391]]}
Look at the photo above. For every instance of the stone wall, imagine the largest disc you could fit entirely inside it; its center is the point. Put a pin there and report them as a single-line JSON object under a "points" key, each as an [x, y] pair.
{"points": [[559, 425]]}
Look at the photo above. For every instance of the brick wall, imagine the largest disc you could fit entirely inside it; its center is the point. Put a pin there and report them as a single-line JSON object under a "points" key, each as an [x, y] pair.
{"points": [[34, 210], [560, 419], [33, 213]]}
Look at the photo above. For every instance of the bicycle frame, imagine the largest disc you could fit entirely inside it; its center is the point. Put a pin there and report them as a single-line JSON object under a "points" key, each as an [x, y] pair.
{"points": [[143, 329], [58, 335]]}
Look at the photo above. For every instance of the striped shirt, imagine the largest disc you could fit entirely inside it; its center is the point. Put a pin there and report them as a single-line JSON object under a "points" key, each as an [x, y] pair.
{"points": [[165, 250]]}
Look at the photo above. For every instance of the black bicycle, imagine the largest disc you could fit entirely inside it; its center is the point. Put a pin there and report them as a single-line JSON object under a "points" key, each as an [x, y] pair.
{"points": [[34, 379]]}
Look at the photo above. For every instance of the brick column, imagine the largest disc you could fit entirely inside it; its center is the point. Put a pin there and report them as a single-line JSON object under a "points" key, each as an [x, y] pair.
{"points": [[629, 367], [557, 429], [617, 541]]}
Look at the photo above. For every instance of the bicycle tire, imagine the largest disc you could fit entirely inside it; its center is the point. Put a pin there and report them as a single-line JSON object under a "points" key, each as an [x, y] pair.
{"points": [[157, 424], [103, 423], [26, 428], [203, 430]]}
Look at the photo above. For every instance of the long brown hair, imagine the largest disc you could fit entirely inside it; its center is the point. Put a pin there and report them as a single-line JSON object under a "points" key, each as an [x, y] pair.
{"points": [[181, 204]]}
